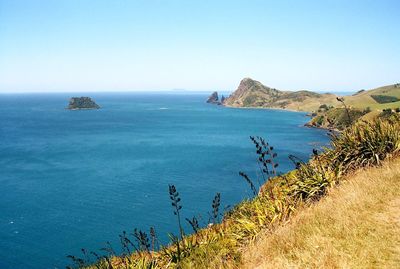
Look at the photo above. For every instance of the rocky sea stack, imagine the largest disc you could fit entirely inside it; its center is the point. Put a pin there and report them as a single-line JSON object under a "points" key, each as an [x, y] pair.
{"points": [[214, 99], [76, 103]]}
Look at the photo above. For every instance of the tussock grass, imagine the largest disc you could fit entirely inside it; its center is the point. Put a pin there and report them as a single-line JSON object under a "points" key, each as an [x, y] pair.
{"points": [[365, 144], [356, 226]]}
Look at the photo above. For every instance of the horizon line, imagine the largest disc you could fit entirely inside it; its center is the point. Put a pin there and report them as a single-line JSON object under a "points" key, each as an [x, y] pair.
{"points": [[182, 91]]}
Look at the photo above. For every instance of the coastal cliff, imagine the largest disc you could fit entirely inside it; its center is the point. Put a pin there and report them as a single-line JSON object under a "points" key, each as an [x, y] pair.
{"points": [[76, 103]]}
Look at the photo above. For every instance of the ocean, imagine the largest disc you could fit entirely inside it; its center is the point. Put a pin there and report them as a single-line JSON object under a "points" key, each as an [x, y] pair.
{"points": [[77, 179]]}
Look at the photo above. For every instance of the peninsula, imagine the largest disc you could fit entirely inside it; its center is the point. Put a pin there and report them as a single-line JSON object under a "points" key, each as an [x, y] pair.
{"points": [[327, 110], [252, 93]]}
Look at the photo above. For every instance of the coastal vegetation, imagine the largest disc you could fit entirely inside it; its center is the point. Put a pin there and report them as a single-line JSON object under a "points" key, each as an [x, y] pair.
{"points": [[336, 118], [276, 204]]}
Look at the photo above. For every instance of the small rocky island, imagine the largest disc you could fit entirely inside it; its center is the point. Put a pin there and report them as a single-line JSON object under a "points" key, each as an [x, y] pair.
{"points": [[214, 99], [76, 103]]}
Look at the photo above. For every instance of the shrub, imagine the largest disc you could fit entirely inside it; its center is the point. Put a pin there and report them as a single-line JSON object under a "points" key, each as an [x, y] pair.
{"points": [[312, 180], [323, 107], [341, 118], [320, 120], [390, 117], [367, 110], [364, 144]]}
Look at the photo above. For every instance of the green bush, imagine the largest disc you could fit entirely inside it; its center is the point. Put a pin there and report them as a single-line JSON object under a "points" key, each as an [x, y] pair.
{"points": [[365, 144], [313, 179], [341, 118], [367, 110]]}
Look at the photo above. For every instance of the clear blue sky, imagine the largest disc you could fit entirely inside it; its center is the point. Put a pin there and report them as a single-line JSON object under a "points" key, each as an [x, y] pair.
{"points": [[116, 45]]}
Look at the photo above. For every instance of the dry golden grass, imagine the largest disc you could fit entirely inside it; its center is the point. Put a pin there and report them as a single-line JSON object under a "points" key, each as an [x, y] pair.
{"points": [[356, 226]]}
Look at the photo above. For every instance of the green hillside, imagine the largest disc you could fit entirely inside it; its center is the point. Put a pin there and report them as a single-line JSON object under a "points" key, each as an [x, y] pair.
{"points": [[383, 102], [365, 98]]}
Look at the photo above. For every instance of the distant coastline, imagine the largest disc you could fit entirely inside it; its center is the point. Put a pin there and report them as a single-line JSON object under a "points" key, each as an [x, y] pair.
{"points": [[327, 110]]}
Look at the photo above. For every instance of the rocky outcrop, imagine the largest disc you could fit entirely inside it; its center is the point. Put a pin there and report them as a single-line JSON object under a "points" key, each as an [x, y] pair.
{"points": [[222, 99], [76, 103], [213, 99]]}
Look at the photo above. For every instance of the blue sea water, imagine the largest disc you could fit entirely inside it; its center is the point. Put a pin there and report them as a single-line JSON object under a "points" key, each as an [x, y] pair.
{"points": [[76, 179]]}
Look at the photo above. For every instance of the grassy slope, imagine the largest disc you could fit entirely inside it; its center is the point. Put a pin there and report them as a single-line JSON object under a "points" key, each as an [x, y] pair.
{"points": [[364, 99], [357, 103], [308, 104], [355, 226]]}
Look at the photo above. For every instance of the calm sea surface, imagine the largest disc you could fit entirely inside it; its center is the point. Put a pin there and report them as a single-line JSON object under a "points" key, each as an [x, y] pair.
{"points": [[76, 179]]}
